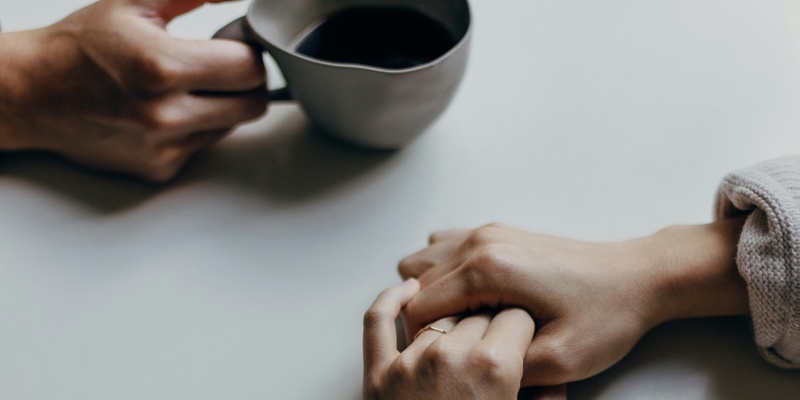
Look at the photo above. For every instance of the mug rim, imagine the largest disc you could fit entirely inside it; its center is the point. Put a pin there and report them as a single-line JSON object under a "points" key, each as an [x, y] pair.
{"points": [[391, 71]]}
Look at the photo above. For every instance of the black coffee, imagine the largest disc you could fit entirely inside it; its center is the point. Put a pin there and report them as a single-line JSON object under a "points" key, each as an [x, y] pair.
{"points": [[383, 37]]}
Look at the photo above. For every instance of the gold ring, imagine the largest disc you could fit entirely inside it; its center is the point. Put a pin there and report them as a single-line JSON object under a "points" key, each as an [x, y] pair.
{"points": [[430, 328]]}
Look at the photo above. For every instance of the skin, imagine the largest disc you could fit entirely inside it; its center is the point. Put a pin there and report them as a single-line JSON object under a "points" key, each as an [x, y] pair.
{"points": [[591, 301], [480, 356], [108, 88]]}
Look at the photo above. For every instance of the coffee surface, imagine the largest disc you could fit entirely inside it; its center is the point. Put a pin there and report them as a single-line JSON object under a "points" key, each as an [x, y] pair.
{"points": [[384, 37]]}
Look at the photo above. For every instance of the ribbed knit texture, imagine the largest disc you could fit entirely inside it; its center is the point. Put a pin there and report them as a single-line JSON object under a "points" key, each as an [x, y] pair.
{"points": [[769, 252]]}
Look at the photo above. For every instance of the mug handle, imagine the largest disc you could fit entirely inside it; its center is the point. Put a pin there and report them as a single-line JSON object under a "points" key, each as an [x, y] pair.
{"points": [[238, 30]]}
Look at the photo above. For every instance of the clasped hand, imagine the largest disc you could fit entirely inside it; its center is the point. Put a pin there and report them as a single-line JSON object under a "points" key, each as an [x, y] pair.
{"points": [[581, 294], [591, 303], [480, 356]]}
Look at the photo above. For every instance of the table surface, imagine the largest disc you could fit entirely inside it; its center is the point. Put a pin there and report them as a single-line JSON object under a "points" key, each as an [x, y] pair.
{"points": [[248, 276]]}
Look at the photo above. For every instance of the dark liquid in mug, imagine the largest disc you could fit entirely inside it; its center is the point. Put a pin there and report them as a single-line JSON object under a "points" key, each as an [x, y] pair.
{"points": [[392, 38]]}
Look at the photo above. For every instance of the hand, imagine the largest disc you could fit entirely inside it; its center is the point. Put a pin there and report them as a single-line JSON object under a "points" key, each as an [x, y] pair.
{"points": [[107, 87], [480, 356], [591, 301]]}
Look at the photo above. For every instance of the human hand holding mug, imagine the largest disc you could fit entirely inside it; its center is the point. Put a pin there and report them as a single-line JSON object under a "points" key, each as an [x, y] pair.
{"points": [[107, 87], [372, 103]]}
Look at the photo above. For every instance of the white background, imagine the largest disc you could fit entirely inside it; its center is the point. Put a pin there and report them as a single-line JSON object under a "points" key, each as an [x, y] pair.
{"points": [[247, 277]]}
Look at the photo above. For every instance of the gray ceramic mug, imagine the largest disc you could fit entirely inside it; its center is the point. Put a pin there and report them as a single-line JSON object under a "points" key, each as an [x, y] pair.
{"points": [[365, 105]]}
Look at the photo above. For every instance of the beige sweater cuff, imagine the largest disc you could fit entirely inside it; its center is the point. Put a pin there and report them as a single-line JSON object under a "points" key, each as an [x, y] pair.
{"points": [[769, 251]]}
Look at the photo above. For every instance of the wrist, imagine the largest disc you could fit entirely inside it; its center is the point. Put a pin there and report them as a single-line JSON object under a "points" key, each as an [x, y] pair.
{"points": [[17, 64], [37, 86], [690, 271]]}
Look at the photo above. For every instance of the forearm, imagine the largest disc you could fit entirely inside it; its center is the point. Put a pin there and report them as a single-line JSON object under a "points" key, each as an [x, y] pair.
{"points": [[692, 271]]}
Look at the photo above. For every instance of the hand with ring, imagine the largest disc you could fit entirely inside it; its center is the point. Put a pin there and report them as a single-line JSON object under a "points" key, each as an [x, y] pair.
{"points": [[591, 301], [476, 357]]}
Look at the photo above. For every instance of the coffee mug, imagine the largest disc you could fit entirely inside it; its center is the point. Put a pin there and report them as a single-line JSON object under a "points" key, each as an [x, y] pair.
{"points": [[367, 105]]}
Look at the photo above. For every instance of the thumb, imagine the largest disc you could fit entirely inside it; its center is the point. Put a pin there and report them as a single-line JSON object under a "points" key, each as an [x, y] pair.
{"points": [[167, 10]]}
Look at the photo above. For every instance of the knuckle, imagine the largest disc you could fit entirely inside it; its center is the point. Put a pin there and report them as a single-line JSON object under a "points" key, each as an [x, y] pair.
{"points": [[484, 235], [491, 255], [440, 354], [435, 237], [373, 317], [155, 73], [481, 236], [554, 363], [403, 369], [372, 386], [376, 315], [494, 367], [473, 276], [160, 118], [487, 270], [151, 117], [498, 226], [487, 264]]}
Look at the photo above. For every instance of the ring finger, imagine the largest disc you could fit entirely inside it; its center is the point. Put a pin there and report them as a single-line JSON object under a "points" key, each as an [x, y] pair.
{"points": [[429, 334]]}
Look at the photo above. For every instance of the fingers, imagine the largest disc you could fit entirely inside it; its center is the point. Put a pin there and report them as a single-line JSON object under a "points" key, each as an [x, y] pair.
{"points": [[219, 65], [464, 289], [208, 111], [512, 327], [380, 336], [443, 326], [442, 244], [441, 269], [461, 248], [169, 9], [419, 263], [504, 345], [175, 117], [159, 62], [425, 337], [472, 327]]}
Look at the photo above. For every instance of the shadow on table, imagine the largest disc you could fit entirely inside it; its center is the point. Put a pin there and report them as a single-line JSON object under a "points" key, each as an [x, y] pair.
{"points": [[280, 157], [720, 350], [103, 192], [284, 159]]}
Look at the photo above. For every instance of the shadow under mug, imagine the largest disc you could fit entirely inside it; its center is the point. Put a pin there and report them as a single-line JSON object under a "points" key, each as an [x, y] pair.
{"points": [[368, 106]]}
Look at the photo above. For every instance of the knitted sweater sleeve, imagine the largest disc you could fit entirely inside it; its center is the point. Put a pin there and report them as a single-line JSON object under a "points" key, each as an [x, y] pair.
{"points": [[769, 252]]}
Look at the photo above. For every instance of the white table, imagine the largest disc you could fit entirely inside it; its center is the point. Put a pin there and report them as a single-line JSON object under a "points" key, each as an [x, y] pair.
{"points": [[248, 276]]}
